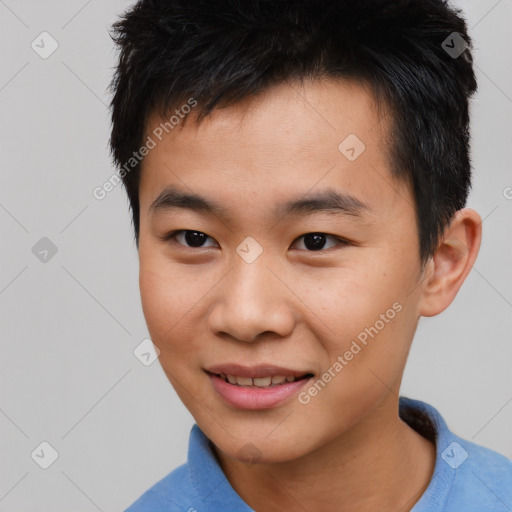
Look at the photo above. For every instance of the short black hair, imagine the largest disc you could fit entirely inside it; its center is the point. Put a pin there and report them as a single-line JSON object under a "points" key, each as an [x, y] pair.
{"points": [[414, 54]]}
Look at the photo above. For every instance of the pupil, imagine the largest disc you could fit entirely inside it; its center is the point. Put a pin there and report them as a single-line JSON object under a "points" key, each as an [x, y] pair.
{"points": [[195, 238], [316, 241]]}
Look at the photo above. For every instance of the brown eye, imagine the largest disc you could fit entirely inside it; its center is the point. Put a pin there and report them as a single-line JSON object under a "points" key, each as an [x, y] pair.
{"points": [[188, 238], [317, 241]]}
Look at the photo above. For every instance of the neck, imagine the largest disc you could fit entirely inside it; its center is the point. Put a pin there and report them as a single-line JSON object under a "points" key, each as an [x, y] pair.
{"points": [[379, 464]]}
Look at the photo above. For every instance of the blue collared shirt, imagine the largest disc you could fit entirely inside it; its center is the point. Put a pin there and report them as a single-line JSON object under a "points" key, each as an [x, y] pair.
{"points": [[467, 477]]}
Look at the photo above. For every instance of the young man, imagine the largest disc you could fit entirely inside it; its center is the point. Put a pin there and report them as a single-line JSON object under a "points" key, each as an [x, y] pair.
{"points": [[297, 173]]}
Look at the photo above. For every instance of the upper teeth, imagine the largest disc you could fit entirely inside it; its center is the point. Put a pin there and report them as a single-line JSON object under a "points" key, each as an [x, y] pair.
{"points": [[260, 382]]}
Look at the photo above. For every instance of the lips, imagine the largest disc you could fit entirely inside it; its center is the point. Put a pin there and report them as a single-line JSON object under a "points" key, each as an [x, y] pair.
{"points": [[256, 387]]}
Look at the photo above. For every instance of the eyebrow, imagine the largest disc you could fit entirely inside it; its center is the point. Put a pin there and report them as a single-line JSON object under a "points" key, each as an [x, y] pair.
{"points": [[326, 201]]}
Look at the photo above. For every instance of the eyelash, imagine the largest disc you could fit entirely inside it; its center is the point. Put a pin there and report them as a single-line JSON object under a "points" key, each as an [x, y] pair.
{"points": [[171, 236]]}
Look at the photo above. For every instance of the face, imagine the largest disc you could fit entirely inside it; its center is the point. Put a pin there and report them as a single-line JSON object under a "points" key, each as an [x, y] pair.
{"points": [[295, 256]]}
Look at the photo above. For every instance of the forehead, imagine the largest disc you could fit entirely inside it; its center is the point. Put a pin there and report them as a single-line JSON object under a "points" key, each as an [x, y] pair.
{"points": [[284, 142], [283, 115]]}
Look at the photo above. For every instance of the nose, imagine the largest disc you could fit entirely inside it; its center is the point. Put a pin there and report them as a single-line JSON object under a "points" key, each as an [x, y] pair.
{"points": [[251, 301]]}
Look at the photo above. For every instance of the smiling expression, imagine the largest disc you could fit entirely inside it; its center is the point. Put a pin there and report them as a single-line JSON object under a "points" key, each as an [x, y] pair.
{"points": [[265, 251]]}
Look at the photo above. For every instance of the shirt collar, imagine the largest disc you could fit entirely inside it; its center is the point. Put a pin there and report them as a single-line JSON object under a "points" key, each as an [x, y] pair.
{"points": [[207, 476], [426, 419]]}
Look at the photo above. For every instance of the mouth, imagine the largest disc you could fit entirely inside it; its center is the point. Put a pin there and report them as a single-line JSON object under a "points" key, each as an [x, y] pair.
{"points": [[260, 382], [257, 387]]}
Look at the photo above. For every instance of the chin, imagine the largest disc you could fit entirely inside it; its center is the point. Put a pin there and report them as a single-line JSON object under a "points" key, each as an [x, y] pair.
{"points": [[259, 448]]}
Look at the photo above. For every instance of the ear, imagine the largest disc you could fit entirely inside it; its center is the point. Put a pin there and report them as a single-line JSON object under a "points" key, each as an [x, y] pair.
{"points": [[448, 267]]}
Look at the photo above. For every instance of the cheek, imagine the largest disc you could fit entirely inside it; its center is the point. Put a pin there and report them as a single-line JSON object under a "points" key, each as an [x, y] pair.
{"points": [[365, 310], [167, 296], [348, 300], [169, 301]]}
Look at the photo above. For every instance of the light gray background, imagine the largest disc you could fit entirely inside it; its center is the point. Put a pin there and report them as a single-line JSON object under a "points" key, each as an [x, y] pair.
{"points": [[69, 326]]}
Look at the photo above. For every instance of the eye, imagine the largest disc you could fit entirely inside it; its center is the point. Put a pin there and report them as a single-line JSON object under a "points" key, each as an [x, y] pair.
{"points": [[316, 241], [188, 238], [313, 242]]}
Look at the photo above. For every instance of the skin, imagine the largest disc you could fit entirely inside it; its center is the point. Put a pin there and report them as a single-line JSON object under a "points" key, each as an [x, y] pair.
{"points": [[347, 449]]}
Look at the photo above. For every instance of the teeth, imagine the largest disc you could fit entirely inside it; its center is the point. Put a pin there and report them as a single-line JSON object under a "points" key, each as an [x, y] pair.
{"points": [[260, 382], [244, 381]]}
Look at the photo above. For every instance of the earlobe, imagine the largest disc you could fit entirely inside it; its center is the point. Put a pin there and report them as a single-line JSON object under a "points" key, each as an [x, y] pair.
{"points": [[452, 262]]}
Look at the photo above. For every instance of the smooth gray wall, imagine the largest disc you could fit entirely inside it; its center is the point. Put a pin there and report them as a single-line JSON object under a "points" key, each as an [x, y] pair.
{"points": [[68, 375]]}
